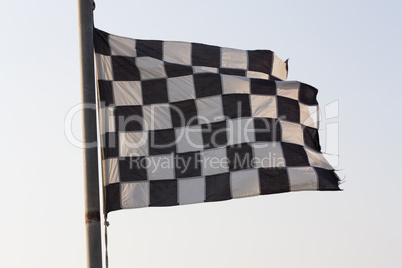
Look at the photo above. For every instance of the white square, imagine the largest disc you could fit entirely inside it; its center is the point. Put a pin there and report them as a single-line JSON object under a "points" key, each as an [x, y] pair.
{"points": [[209, 109], [292, 132], [160, 167], [191, 191], [189, 139], [104, 69], [263, 106], [317, 159], [181, 88], [157, 116], [177, 52], [240, 130], [107, 119], [122, 46], [133, 143], [288, 89], [252, 74], [302, 178], [235, 84], [111, 170], [279, 68], [150, 68], [127, 93], [308, 115], [234, 58], [245, 183], [134, 194], [215, 161], [268, 154], [204, 69]]}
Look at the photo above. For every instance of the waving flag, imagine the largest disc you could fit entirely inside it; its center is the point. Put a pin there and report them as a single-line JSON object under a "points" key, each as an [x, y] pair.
{"points": [[186, 123]]}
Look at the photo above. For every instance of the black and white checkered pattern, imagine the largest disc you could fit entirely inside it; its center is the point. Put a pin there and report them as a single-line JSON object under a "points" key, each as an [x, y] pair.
{"points": [[188, 123]]}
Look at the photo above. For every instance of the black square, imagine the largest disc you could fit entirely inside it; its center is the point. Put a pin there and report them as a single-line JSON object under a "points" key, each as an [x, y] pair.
{"points": [[113, 197], [236, 105], [288, 109], [133, 168], [162, 141], [206, 55], [163, 193], [105, 92], [214, 134], [327, 180], [217, 187], [273, 180], [311, 138], [110, 145], [260, 61], [240, 156], [174, 70], [154, 91], [184, 113], [267, 129], [124, 69], [101, 42], [207, 84], [188, 165], [149, 48], [273, 78], [262, 87], [129, 118], [308, 94], [294, 154], [230, 71]]}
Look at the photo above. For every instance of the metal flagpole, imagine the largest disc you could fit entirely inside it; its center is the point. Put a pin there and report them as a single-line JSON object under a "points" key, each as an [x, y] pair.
{"points": [[92, 207]]}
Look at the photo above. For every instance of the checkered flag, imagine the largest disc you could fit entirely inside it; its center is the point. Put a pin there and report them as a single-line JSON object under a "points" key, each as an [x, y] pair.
{"points": [[186, 123]]}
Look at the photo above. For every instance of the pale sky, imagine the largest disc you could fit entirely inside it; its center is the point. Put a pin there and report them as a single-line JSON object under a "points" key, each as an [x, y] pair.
{"points": [[350, 50]]}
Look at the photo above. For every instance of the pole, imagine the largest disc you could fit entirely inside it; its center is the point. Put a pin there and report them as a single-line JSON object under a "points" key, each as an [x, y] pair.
{"points": [[91, 178]]}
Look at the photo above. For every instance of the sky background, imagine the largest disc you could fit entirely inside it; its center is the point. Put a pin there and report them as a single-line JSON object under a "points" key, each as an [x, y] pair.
{"points": [[350, 50]]}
